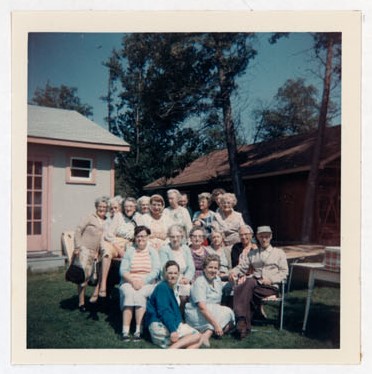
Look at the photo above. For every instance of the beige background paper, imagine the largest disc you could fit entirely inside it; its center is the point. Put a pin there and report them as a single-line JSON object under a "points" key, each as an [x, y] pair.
{"points": [[347, 22]]}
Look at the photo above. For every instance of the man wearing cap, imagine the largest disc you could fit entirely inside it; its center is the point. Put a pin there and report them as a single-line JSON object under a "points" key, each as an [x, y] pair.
{"points": [[270, 267]]}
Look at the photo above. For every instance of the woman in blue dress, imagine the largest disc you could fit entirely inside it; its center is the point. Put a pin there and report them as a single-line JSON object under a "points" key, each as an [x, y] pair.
{"points": [[163, 316], [205, 312]]}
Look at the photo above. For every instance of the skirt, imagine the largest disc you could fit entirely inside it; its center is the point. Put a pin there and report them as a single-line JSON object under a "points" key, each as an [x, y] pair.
{"points": [[222, 314], [160, 335], [131, 297]]}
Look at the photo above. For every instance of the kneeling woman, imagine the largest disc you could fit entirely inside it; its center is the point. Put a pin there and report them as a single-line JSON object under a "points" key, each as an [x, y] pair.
{"points": [[163, 316], [139, 269], [205, 312]]}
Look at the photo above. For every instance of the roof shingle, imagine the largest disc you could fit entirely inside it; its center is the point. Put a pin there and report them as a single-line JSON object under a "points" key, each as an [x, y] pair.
{"points": [[62, 124]]}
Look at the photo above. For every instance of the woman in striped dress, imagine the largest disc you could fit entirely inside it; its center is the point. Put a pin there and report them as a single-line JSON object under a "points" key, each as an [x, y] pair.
{"points": [[139, 269]]}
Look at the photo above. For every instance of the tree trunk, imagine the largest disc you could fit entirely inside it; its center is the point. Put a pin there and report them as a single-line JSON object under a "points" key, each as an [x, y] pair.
{"points": [[236, 178], [312, 181]]}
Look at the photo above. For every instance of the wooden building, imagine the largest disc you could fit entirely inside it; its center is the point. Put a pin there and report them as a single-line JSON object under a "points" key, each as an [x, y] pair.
{"points": [[275, 176], [70, 162]]}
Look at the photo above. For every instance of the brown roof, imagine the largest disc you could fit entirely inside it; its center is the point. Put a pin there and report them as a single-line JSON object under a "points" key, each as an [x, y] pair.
{"points": [[286, 155]]}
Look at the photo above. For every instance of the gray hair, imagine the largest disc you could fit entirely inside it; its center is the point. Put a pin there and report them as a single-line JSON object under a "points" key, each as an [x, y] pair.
{"points": [[131, 200], [197, 228], [116, 199], [246, 227], [101, 199], [229, 196], [171, 191], [143, 199], [177, 228]]}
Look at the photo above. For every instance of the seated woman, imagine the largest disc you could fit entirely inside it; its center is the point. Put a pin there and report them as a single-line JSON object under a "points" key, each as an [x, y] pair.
{"points": [[204, 312], [218, 248], [204, 216], [157, 222], [111, 245], [139, 269], [198, 250], [243, 247], [180, 253], [143, 205], [87, 243], [176, 213], [163, 316], [227, 219]]}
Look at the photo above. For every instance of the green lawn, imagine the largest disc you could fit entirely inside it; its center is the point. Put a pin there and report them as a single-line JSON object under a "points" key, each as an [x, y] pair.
{"points": [[53, 320]]}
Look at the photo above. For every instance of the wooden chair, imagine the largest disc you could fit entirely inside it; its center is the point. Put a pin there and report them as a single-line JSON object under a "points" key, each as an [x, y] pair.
{"points": [[68, 246], [67, 242]]}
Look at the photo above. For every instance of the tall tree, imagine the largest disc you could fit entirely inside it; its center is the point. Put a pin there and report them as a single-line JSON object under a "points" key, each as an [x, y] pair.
{"points": [[162, 85], [229, 55], [294, 111], [62, 97], [328, 44]]}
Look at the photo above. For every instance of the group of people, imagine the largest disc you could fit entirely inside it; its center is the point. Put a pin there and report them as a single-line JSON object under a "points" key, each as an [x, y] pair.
{"points": [[179, 271]]}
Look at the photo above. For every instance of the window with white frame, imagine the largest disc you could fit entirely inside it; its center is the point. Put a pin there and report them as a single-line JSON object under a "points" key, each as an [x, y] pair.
{"points": [[80, 170]]}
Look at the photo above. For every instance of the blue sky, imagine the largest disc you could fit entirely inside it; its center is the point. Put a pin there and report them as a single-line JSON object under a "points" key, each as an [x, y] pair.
{"points": [[75, 59]]}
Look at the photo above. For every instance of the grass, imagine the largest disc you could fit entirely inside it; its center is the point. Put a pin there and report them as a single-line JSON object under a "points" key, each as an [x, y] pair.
{"points": [[53, 320]]}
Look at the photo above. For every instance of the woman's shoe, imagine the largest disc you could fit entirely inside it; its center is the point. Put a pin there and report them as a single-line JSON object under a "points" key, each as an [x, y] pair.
{"points": [[137, 337], [102, 293], [82, 308], [125, 337], [93, 299]]}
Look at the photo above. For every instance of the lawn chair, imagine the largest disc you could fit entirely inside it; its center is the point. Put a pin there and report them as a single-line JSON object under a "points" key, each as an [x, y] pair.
{"points": [[278, 300], [68, 245]]}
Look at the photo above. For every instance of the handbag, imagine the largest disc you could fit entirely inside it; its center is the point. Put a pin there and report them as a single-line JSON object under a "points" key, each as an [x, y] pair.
{"points": [[75, 272], [93, 279]]}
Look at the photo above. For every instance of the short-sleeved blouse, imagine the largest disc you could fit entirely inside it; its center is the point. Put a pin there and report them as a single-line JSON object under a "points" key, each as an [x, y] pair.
{"points": [[204, 291]]}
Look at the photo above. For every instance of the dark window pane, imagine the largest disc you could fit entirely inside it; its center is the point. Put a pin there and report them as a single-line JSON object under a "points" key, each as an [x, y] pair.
{"points": [[29, 167], [37, 228], [37, 198], [78, 163], [29, 228], [29, 213], [37, 212], [38, 168], [80, 173], [29, 183], [29, 198], [37, 183]]}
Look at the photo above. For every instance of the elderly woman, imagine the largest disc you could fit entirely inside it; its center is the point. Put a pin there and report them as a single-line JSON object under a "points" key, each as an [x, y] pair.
{"points": [[112, 245], [143, 205], [87, 243], [157, 222], [198, 250], [242, 248], [139, 269], [176, 213], [218, 248], [204, 216], [180, 253], [204, 312], [228, 220], [163, 316]]}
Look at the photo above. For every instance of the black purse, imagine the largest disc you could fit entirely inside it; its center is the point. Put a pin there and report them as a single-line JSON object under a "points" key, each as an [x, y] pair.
{"points": [[75, 272], [93, 279]]}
